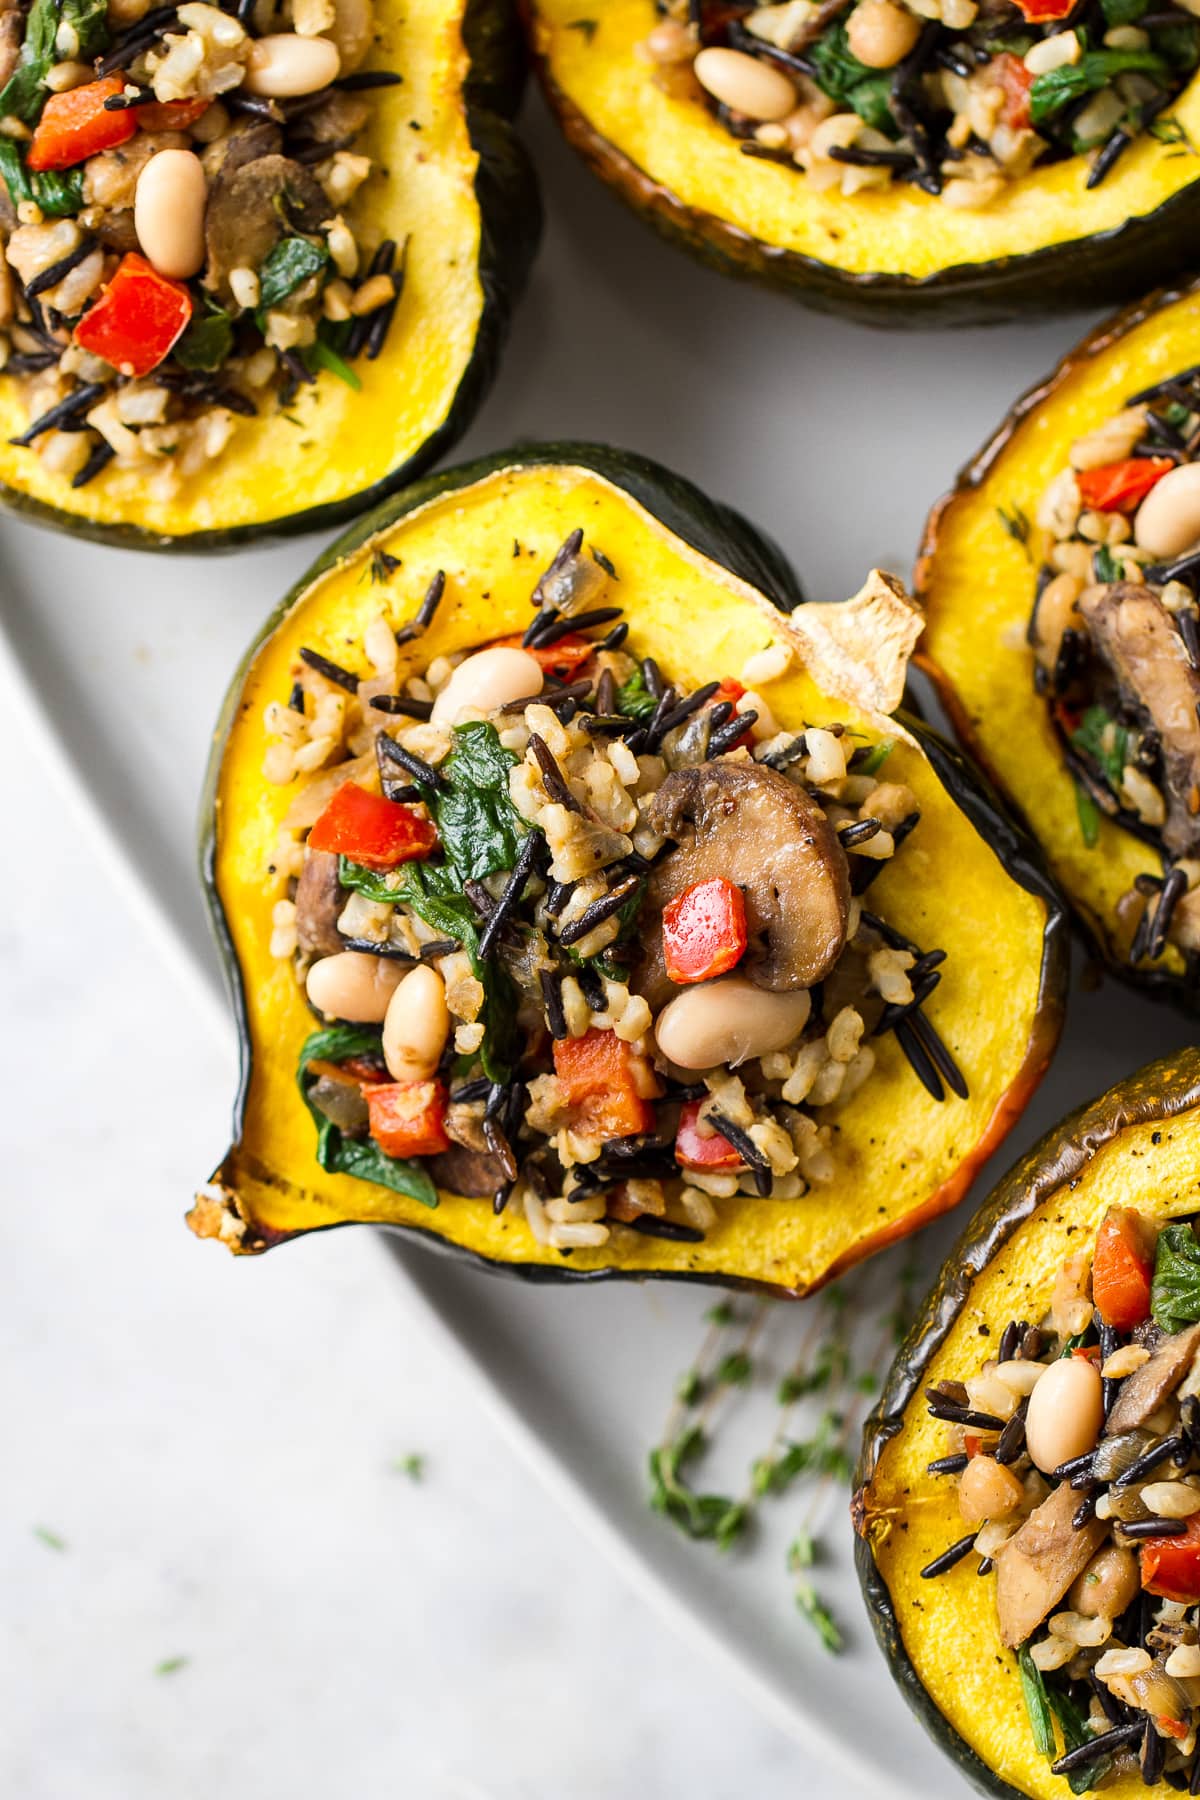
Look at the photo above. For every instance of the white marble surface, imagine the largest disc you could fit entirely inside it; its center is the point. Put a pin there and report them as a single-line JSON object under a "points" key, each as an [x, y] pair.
{"points": [[213, 1442]]}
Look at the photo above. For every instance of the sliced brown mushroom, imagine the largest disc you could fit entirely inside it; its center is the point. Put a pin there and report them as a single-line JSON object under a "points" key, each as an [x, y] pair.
{"points": [[1143, 1392], [1037, 1565], [251, 207], [320, 898], [1136, 637], [754, 828], [335, 122], [12, 31], [474, 1173]]}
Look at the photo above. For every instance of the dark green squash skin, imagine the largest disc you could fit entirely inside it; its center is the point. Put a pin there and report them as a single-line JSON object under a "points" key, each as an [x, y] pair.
{"points": [[1160, 1091], [511, 220], [1161, 984], [722, 534], [1106, 268]]}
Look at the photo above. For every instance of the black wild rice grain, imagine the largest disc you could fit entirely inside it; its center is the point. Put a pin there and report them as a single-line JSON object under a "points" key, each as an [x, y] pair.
{"points": [[724, 737], [557, 895], [650, 1226], [372, 947], [652, 676], [599, 910], [53, 275], [563, 627], [616, 636], [575, 691], [1114, 147], [1012, 1439], [331, 671], [1157, 1453], [479, 1089], [297, 368], [1077, 1465], [896, 940], [380, 321], [501, 1149], [510, 895], [400, 703], [380, 264], [922, 1063], [944, 1063], [1145, 1528], [948, 1558], [986, 1566], [592, 987], [296, 698], [1114, 1712], [606, 692], [684, 709], [423, 617], [61, 413], [1086, 1510], [437, 947], [416, 766], [1010, 1337], [553, 779], [363, 79], [500, 1198], [964, 1415], [1173, 890], [1097, 1746], [1153, 1754], [30, 362], [610, 725], [741, 1140], [861, 832], [556, 1018], [872, 159], [127, 46], [947, 1465], [123, 102], [99, 459]]}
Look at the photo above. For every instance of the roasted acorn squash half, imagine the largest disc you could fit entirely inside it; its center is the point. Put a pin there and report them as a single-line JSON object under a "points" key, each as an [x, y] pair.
{"points": [[453, 184], [893, 257], [1136, 1147], [701, 591], [976, 578]]}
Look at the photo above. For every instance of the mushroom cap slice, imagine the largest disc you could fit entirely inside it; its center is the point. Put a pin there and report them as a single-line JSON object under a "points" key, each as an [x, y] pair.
{"points": [[1037, 1565], [1143, 1392], [1135, 635], [752, 826]]}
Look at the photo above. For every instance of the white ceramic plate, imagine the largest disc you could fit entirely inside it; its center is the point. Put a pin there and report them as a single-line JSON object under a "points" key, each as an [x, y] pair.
{"points": [[835, 439]]}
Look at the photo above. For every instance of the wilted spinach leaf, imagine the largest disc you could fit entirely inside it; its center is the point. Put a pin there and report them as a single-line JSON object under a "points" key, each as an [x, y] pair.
{"points": [[360, 1157], [1175, 1290]]}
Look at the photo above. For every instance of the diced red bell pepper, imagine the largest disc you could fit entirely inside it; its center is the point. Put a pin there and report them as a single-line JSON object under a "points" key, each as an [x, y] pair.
{"points": [[1038, 12], [562, 659], [370, 830], [171, 115], [1121, 486], [75, 125], [695, 1151], [1171, 1565], [704, 931], [732, 691], [1123, 1268], [407, 1118], [1016, 81], [137, 318], [596, 1073]]}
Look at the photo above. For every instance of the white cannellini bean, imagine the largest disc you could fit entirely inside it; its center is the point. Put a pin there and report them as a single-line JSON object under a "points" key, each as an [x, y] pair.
{"points": [[1171, 1499], [352, 985], [1168, 520], [1184, 1662], [416, 1026], [486, 681], [283, 65], [745, 84], [727, 1022], [168, 213], [1065, 1413]]}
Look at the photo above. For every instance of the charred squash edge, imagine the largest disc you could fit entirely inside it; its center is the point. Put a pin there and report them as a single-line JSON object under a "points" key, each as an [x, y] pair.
{"points": [[722, 534], [510, 212], [1107, 267], [1159, 982], [1162, 1090]]}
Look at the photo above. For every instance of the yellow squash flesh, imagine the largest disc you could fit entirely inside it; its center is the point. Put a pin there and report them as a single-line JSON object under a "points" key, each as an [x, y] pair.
{"points": [[901, 1157], [331, 443], [977, 583], [675, 148], [947, 1627]]}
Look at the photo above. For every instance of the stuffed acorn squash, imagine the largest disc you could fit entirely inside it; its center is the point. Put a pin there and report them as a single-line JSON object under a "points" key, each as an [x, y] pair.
{"points": [[256, 264], [1060, 582], [1046, 1405], [628, 933], [899, 160]]}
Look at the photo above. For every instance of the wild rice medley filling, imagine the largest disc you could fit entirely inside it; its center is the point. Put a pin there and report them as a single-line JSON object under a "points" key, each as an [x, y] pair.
{"points": [[1116, 640], [583, 942], [1076, 1455], [959, 97], [179, 249]]}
